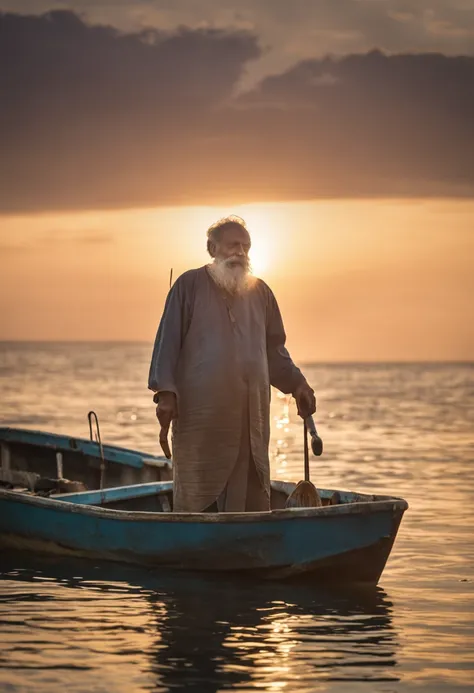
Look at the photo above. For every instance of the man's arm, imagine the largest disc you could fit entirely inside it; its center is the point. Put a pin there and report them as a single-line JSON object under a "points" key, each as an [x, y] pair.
{"points": [[284, 375], [169, 339], [165, 357]]}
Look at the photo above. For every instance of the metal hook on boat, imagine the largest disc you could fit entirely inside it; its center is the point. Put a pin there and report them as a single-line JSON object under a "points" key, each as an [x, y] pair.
{"points": [[99, 441]]}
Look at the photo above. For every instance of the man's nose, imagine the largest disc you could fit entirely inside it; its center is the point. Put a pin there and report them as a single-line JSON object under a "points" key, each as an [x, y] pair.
{"points": [[240, 250]]}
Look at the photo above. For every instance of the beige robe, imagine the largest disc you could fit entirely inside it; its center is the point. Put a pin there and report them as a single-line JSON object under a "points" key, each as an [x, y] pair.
{"points": [[219, 355]]}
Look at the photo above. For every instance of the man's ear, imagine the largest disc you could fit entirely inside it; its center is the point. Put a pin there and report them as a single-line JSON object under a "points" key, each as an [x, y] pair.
{"points": [[211, 248]]}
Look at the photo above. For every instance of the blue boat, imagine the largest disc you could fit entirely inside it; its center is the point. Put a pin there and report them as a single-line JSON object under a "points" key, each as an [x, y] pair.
{"points": [[346, 542], [38, 459]]}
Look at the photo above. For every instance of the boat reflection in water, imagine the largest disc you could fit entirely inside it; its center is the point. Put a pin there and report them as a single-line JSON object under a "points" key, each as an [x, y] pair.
{"points": [[179, 631]]}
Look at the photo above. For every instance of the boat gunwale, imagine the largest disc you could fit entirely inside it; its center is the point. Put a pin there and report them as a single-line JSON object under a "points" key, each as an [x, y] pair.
{"points": [[61, 442], [388, 503]]}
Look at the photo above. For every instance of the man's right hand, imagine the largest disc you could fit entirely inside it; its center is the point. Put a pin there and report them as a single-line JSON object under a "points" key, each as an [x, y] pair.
{"points": [[166, 411]]}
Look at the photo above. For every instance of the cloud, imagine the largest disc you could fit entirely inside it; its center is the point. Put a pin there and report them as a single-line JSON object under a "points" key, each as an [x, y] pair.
{"points": [[370, 124], [92, 238], [295, 29], [99, 238], [99, 118], [8, 250]]}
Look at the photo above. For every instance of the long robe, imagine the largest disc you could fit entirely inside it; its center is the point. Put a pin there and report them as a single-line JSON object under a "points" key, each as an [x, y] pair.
{"points": [[219, 355]]}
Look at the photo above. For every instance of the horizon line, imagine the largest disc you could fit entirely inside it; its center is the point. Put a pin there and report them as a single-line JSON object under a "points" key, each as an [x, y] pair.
{"points": [[401, 361]]}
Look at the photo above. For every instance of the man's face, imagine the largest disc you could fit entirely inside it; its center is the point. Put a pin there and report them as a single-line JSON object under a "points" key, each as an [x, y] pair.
{"points": [[233, 247]]}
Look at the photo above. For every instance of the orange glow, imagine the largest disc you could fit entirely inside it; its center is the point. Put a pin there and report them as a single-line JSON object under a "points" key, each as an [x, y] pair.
{"points": [[355, 280]]}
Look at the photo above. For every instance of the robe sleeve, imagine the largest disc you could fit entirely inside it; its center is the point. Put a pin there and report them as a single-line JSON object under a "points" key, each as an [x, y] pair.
{"points": [[284, 375], [171, 332]]}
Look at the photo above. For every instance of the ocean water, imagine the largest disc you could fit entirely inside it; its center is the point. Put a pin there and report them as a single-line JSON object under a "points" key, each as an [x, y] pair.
{"points": [[403, 429]]}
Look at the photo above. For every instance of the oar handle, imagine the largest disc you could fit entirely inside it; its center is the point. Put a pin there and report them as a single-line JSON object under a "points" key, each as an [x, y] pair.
{"points": [[306, 453], [316, 442]]}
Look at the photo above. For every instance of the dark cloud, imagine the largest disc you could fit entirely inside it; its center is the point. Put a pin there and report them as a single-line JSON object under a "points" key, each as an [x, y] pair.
{"points": [[296, 28], [370, 124], [93, 118]]}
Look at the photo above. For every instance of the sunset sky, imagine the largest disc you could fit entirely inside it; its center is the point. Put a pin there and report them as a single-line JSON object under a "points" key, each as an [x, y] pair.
{"points": [[342, 131]]}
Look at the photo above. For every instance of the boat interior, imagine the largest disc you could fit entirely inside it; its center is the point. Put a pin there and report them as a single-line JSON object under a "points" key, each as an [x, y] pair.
{"points": [[48, 462], [39, 464], [158, 497]]}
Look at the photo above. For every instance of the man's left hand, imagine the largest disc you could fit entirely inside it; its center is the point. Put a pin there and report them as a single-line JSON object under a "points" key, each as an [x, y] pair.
{"points": [[305, 400]]}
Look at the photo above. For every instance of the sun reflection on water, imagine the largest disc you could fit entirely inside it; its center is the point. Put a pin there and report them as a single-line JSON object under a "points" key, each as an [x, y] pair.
{"points": [[283, 433]]}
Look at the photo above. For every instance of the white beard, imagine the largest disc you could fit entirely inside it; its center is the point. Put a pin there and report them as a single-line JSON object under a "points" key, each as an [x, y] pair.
{"points": [[234, 278]]}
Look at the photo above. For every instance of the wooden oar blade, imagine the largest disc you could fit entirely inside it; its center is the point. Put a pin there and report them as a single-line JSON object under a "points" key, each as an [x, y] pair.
{"points": [[305, 495]]}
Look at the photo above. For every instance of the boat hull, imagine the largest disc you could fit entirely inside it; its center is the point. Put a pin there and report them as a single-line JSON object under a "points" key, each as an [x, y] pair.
{"points": [[346, 543]]}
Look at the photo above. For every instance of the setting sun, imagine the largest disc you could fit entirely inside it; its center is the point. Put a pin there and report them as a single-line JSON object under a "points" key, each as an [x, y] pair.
{"points": [[261, 225], [259, 257], [265, 222]]}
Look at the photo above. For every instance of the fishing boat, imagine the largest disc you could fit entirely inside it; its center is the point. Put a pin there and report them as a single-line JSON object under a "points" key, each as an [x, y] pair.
{"points": [[349, 541], [52, 463]]}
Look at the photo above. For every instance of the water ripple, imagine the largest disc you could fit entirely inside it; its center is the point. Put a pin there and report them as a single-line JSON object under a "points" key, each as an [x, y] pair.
{"points": [[387, 428]]}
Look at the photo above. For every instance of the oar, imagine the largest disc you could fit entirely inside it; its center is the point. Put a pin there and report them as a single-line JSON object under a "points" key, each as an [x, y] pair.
{"points": [[306, 494]]}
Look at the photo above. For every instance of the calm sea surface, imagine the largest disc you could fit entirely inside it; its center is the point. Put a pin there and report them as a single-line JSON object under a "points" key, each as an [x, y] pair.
{"points": [[401, 429]]}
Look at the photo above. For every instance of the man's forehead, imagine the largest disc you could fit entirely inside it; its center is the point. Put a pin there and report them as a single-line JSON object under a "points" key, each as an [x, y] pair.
{"points": [[235, 234]]}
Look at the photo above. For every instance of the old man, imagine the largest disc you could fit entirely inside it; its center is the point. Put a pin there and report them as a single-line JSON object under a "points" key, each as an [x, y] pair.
{"points": [[220, 346]]}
